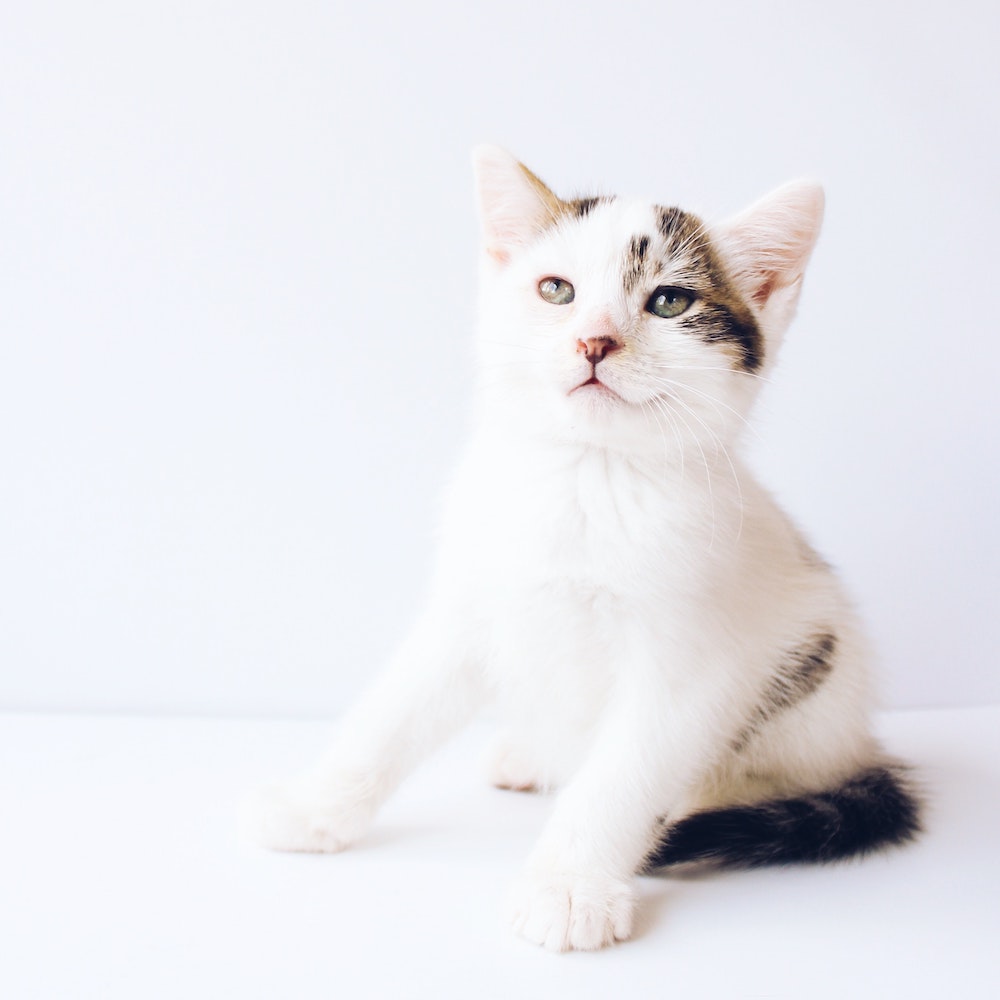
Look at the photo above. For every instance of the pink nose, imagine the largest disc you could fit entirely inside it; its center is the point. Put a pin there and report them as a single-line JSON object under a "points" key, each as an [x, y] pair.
{"points": [[597, 348]]}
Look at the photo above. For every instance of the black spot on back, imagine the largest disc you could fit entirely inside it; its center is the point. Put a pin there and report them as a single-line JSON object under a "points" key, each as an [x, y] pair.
{"points": [[796, 677]]}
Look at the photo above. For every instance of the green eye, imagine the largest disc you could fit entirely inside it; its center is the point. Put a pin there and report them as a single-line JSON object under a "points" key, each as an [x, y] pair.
{"points": [[556, 290], [668, 301]]}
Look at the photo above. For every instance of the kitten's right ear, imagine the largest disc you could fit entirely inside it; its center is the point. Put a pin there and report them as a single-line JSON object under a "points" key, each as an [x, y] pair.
{"points": [[514, 205]]}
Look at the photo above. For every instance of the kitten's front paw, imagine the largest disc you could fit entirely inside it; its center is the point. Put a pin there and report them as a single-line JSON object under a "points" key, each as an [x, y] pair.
{"points": [[564, 911], [304, 816]]}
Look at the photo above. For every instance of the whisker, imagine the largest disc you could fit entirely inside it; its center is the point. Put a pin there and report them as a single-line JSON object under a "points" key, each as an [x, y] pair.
{"points": [[719, 446], [664, 408], [711, 368], [704, 459], [692, 243], [710, 399]]}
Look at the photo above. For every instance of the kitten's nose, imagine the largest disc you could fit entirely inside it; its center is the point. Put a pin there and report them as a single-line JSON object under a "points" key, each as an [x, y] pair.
{"points": [[596, 348]]}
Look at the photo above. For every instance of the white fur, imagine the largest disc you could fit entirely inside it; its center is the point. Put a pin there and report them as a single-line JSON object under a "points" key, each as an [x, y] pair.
{"points": [[610, 575]]}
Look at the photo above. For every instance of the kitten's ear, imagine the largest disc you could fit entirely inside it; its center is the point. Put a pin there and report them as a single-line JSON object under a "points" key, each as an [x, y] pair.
{"points": [[768, 245], [514, 205]]}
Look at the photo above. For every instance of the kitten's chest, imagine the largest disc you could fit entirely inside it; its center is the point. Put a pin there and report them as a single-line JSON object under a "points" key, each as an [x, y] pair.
{"points": [[581, 519], [556, 551]]}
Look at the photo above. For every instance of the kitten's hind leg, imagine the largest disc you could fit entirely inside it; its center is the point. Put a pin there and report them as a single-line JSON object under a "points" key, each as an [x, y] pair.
{"points": [[429, 691], [511, 767]]}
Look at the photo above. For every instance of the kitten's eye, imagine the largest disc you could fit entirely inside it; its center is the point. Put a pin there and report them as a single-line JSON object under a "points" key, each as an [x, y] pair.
{"points": [[556, 290], [668, 301]]}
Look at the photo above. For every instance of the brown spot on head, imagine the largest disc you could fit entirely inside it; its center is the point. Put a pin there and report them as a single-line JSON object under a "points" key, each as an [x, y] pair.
{"points": [[724, 317], [580, 207], [635, 264]]}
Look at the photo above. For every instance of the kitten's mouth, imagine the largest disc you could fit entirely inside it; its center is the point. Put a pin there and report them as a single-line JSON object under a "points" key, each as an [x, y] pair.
{"points": [[598, 386]]}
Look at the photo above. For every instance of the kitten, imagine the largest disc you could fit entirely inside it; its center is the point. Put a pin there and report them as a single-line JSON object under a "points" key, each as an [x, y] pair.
{"points": [[660, 641]]}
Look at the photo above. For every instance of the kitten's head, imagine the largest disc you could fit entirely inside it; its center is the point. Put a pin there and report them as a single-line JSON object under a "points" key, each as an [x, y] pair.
{"points": [[609, 321]]}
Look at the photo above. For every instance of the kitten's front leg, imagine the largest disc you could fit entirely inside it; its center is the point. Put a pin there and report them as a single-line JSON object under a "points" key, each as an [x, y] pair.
{"points": [[429, 691], [578, 888]]}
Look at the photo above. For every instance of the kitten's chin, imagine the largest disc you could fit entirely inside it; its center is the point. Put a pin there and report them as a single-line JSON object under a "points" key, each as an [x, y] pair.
{"points": [[594, 413]]}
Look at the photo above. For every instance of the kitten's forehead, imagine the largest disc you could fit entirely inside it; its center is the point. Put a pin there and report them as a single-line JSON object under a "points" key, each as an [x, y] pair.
{"points": [[643, 242]]}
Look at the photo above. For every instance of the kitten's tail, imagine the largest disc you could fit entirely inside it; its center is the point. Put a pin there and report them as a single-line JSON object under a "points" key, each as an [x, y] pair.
{"points": [[872, 810]]}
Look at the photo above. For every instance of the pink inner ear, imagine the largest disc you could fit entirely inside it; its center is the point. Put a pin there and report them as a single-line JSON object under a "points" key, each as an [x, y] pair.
{"points": [[765, 288], [768, 245], [513, 203]]}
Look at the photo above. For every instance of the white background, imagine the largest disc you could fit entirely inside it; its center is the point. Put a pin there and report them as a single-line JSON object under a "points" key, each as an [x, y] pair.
{"points": [[237, 268]]}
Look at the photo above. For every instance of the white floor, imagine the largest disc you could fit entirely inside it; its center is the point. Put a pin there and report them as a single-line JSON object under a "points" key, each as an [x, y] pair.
{"points": [[121, 875]]}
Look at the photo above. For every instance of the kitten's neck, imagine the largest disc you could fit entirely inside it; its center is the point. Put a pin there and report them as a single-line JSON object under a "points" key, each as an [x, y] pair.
{"points": [[661, 451], [520, 449]]}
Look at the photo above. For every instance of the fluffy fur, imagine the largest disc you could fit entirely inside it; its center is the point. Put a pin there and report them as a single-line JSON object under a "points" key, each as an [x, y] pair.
{"points": [[661, 643]]}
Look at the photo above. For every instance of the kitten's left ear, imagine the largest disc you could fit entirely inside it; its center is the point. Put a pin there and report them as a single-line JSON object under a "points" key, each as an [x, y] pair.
{"points": [[768, 245], [514, 205]]}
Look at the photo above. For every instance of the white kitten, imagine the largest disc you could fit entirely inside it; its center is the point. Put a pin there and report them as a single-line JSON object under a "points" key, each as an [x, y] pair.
{"points": [[662, 644]]}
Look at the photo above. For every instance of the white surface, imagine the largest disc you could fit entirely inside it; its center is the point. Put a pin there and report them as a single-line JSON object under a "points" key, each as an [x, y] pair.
{"points": [[122, 876], [237, 278]]}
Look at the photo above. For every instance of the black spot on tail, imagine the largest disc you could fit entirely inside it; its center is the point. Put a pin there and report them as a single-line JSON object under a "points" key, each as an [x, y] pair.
{"points": [[871, 811]]}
